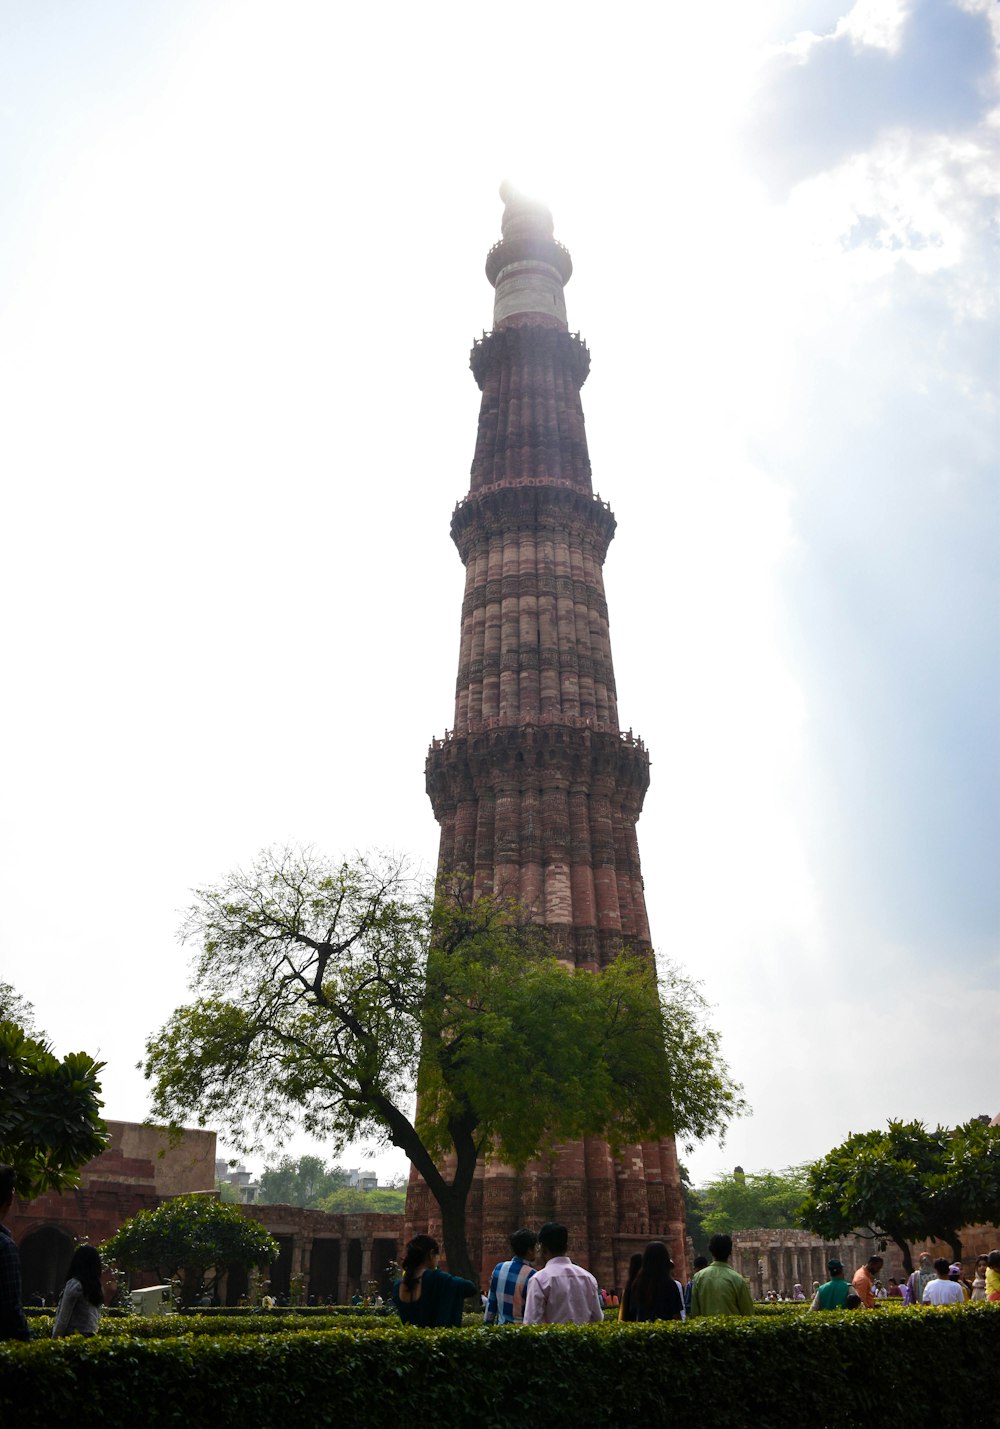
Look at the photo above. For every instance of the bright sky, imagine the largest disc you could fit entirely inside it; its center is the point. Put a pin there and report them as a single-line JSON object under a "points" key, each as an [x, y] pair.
{"points": [[241, 267]]}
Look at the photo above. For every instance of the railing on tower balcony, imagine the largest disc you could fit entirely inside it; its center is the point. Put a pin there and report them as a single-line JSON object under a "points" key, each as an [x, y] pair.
{"points": [[483, 726], [507, 483]]}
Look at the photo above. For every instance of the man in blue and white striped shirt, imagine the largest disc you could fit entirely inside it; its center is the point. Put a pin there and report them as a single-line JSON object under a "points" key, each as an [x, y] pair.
{"points": [[509, 1281]]}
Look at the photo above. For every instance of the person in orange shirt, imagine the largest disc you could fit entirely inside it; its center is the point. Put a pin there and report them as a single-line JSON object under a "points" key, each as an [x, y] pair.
{"points": [[864, 1280]]}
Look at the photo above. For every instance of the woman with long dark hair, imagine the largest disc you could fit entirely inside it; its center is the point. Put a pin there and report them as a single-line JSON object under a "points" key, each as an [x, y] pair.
{"points": [[80, 1303], [655, 1294], [634, 1266], [425, 1295]]}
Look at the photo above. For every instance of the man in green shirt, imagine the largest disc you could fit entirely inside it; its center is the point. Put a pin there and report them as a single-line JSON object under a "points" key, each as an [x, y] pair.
{"points": [[836, 1294], [719, 1289]]}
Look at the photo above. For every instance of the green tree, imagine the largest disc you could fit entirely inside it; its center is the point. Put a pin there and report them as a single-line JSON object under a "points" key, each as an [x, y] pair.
{"points": [[349, 1200], [746, 1201], [50, 1112], [970, 1189], [326, 988], [693, 1211], [15, 1008], [907, 1184], [189, 1237], [299, 1182]]}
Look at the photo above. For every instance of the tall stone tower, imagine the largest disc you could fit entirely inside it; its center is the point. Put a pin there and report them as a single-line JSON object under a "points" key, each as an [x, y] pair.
{"points": [[536, 787]]}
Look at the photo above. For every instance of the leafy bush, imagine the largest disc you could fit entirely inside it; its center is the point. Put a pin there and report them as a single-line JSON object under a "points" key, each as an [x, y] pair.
{"points": [[238, 1311], [778, 1371], [167, 1327]]}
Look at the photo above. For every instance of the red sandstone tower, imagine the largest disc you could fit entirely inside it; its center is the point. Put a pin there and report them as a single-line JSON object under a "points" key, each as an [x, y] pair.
{"points": [[536, 788]]}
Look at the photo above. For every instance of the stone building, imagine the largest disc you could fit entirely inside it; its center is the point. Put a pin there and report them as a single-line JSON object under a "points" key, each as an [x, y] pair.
{"points": [[779, 1259], [140, 1167], [536, 787], [324, 1255], [320, 1254]]}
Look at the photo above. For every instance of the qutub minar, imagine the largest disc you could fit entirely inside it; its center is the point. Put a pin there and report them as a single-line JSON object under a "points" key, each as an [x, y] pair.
{"points": [[536, 787]]}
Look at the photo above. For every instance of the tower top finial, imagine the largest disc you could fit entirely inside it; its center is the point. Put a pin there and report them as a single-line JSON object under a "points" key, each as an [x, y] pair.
{"points": [[527, 267], [524, 217]]}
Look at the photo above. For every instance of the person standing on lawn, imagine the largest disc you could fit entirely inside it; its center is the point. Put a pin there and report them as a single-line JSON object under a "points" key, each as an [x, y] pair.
{"points": [[13, 1325], [509, 1282], [561, 1293], [864, 1280], [836, 1294], [719, 1289]]}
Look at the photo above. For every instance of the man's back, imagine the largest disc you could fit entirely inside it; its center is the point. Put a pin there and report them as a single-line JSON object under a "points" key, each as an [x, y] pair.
{"points": [[508, 1288], [943, 1292], [833, 1295], [562, 1293], [720, 1290]]}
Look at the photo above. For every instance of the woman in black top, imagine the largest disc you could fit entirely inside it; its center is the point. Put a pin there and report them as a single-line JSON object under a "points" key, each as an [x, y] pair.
{"points": [[425, 1295], [654, 1293]]}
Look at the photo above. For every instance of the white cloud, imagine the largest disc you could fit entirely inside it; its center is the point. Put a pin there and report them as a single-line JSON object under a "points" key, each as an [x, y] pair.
{"points": [[876, 23]]}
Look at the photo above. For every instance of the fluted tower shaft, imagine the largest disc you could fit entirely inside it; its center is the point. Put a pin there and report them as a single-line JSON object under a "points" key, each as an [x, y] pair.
{"points": [[535, 787]]}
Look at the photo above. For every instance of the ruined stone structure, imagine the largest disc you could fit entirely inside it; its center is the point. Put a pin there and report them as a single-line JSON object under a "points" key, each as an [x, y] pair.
{"points": [[536, 787], [776, 1259], [326, 1256], [779, 1259], [140, 1167]]}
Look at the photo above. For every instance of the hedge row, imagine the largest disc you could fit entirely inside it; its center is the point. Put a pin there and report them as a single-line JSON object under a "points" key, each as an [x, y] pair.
{"points": [[235, 1311], [168, 1326], [819, 1370]]}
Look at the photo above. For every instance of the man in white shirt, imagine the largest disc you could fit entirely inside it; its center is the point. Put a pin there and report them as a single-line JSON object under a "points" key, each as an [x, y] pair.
{"points": [[561, 1293], [943, 1290]]}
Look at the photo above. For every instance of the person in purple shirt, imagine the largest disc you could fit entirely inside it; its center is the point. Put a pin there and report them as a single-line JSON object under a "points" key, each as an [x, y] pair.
{"points": [[561, 1293]]}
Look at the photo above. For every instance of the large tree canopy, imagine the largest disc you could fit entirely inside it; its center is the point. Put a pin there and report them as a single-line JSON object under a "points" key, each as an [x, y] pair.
{"points": [[50, 1112], [188, 1237], [324, 988], [907, 1184]]}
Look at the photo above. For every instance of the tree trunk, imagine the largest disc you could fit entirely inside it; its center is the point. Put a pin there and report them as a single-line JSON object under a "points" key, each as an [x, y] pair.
{"points": [[456, 1247], [907, 1253], [451, 1198], [192, 1280]]}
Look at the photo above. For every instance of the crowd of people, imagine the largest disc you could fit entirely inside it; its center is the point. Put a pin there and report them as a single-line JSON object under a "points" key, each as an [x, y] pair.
{"points": [[557, 1291]]}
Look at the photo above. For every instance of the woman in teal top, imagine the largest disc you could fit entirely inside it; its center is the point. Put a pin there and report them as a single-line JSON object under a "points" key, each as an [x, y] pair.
{"points": [[425, 1295]]}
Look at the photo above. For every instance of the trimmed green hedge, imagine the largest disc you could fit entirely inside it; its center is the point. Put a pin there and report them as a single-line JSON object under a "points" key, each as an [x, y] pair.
{"points": [[167, 1327], [235, 1311], [820, 1370], [268, 1322]]}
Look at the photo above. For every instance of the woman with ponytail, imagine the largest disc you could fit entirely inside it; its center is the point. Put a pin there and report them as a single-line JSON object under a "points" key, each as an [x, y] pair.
{"points": [[425, 1295]]}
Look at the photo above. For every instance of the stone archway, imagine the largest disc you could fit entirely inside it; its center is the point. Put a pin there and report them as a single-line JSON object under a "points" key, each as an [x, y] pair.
{"points": [[45, 1257]]}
